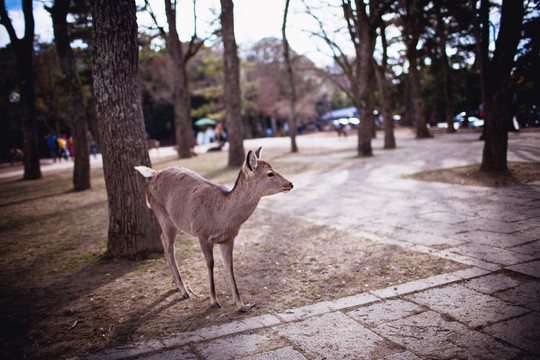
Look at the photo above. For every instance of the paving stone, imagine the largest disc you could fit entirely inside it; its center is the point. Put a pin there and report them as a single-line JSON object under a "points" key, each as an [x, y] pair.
{"points": [[527, 295], [523, 332], [531, 268], [532, 248], [179, 339], [286, 353], [238, 346], [173, 354], [463, 259], [492, 283], [305, 311], [478, 309], [125, 351], [335, 336], [491, 254], [470, 273], [501, 240], [416, 285], [431, 337], [237, 326], [441, 241], [351, 301], [385, 311], [407, 355]]}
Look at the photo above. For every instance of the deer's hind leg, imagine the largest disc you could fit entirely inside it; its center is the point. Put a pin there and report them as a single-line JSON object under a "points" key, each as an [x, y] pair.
{"points": [[168, 235]]}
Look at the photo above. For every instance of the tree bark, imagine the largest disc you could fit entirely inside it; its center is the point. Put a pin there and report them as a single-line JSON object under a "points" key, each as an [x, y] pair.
{"points": [[412, 30], [181, 95], [24, 50], [495, 79], [234, 121], [75, 100], [292, 102], [441, 33], [133, 230], [380, 75]]}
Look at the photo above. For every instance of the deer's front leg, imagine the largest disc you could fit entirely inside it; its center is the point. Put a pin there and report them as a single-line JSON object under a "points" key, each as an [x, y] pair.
{"points": [[208, 251], [226, 249]]}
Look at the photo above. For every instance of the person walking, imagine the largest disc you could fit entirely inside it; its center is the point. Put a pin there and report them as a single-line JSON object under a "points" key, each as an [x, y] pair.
{"points": [[51, 144]]}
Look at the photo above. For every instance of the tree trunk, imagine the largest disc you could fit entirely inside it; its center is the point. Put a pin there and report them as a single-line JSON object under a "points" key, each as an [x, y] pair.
{"points": [[412, 30], [441, 33], [24, 50], [292, 103], [232, 87], [495, 79], [380, 75], [181, 95], [75, 100], [133, 230]]}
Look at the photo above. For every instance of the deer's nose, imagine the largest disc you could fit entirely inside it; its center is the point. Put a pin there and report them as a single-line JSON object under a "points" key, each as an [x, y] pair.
{"points": [[291, 185]]}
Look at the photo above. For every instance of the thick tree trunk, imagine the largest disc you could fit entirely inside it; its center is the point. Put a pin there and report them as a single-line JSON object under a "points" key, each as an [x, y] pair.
{"points": [[133, 230], [495, 78], [24, 50], [232, 87], [71, 84]]}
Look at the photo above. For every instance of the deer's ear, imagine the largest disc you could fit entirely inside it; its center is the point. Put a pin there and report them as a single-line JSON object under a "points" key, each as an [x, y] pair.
{"points": [[259, 153], [251, 160]]}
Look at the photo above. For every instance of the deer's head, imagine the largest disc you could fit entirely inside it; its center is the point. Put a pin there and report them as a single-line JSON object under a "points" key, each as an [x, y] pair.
{"points": [[263, 179]]}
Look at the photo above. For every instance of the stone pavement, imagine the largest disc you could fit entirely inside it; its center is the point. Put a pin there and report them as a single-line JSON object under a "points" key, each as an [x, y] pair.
{"points": [[490, 310]]}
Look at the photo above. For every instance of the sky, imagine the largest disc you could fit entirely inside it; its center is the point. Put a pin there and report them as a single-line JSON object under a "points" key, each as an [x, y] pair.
{"points": [[254, 20]]}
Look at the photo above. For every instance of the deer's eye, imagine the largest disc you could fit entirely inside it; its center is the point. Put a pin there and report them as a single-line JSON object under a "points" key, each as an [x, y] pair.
{"points": [[270, 174]]}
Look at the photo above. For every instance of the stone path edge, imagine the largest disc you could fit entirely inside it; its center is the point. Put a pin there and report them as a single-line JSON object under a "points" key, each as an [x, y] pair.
{"points": [[148, 347]]}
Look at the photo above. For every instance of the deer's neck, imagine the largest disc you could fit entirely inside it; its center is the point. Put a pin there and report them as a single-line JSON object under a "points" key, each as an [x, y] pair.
{"points": [[242, 200]]}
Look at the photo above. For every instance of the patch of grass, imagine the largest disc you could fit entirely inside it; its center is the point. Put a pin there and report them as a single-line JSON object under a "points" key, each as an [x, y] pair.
{"points": [[517, 173]]}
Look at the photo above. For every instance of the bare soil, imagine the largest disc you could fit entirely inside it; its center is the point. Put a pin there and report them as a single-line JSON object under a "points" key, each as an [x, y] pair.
{"points": [[60, 298]]}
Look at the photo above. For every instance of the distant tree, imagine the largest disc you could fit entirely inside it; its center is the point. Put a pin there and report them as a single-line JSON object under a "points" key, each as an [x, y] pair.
{"points": [[413, 25], [356, 77], [383, 83], [24, 51], [75, 100], [180, 56], [445, 65], [235, 125], [288, 63], [133, 230], [495, 72]]}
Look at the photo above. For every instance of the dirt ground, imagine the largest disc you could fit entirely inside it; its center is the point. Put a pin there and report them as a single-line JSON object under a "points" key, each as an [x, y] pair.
{"points": [[60, 298]]}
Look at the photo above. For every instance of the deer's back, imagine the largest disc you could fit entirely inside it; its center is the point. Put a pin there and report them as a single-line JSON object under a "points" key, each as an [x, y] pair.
{"points": [[191, 201]]}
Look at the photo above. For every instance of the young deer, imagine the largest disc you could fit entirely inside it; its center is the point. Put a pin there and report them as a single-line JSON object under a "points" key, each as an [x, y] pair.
{"points": [[184, 200]]}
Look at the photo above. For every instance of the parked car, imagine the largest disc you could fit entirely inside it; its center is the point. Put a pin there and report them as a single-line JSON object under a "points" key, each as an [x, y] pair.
{"points": [[459, 121]]}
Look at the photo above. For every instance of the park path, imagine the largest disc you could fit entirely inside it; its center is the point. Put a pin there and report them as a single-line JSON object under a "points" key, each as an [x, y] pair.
{"points": [[490, 310]]}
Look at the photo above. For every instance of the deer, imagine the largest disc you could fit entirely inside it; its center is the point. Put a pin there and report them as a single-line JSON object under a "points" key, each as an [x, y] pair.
{"points": [[183, 200]]}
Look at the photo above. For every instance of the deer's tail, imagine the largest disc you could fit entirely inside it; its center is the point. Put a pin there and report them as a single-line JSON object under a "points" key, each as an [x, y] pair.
{"points": [[145, 171]]}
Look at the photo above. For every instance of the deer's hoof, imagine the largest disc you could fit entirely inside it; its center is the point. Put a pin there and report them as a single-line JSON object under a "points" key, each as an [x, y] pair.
{"points": [[243, 309], [216, 305], [185, 296]]}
